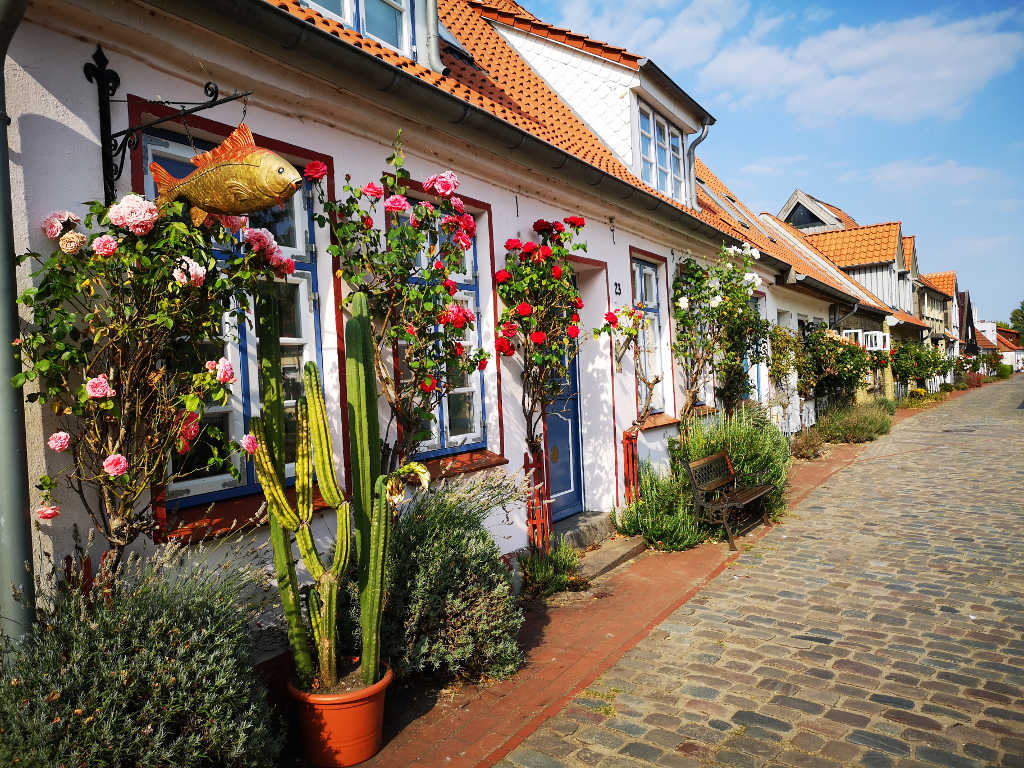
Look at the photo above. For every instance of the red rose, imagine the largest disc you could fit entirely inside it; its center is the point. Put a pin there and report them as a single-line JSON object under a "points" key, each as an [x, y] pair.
{"points": [[439, 265], [501, 276], [556, 271], [468, 224], [558, 226], [429, 384], [542, 226], [529, 248], [482, 365], [410, 329], [544, 252], [315, 170], [512, 244], [575, 317], [573, 331], [459, 349], [509, 329], [451, 286], [612, 319], [367, 222], [538, 337], [524, 309], [503, 346], [579, 303], [574, 221]]}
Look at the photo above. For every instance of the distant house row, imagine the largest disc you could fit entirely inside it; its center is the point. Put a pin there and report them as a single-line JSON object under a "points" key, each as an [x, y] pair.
{"points": [[537, 121]]}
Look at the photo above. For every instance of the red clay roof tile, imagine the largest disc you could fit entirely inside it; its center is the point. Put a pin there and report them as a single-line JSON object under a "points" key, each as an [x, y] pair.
{"points": [[871, 244], [943, 282]]}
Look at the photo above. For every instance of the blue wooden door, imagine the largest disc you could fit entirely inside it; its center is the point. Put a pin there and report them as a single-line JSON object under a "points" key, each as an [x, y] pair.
{"points": [[565, 462]]}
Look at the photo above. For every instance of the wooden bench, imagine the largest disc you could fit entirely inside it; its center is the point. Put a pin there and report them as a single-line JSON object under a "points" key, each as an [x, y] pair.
{"points": [[715, 494]]}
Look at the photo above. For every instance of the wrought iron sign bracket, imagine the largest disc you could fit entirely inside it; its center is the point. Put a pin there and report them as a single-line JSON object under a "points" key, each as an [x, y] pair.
{"points": [[114, 146]]}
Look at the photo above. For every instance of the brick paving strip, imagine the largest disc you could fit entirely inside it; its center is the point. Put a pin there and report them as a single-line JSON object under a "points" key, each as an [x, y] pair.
{"points": [[881, 626], [607, 682]]}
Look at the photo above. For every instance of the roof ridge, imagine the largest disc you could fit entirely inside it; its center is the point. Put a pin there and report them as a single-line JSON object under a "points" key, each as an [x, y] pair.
{"points": [[533, 25], [859, 227]]}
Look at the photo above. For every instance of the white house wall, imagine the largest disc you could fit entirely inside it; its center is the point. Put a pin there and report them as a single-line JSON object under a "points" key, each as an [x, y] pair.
{"points": [[55, 164], [597, 90]]}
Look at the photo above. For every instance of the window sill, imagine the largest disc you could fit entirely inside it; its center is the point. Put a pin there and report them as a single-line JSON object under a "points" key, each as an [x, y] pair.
{"points": [[199, 523], [462, 463], [656, 420]]}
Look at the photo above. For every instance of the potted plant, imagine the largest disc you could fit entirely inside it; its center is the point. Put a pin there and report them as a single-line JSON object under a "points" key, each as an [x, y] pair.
{"points": [[340, 705]]}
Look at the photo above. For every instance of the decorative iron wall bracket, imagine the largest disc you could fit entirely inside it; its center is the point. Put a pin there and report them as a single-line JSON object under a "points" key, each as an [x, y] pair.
{"points": [[114, 146]]}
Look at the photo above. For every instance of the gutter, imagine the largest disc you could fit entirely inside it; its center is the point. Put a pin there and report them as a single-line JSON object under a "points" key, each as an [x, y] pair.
{"points": [[691, 157], [317, 52], [15, 525]]}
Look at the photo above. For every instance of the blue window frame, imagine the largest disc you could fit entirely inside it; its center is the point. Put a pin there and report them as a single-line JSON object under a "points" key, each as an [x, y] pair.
{"points": [[647, 299], [294, 230], [460, 419]]}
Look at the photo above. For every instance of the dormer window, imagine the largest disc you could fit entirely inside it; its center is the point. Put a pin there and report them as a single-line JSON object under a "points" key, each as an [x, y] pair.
{"points": [[384, 20], [661, 153]]}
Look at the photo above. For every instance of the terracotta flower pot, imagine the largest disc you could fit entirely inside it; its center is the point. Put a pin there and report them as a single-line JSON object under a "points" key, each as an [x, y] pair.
{"points": [[343, 729]]}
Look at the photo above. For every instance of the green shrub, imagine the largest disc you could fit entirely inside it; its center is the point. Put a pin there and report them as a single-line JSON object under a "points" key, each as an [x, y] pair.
{"points": [[663, 514], [758, 450], [545, 574], [451, 610], [157, 671], [887, 405], [806, 444], [987, 379], [855, 424], [1004, 371], [944, 387], [960, 385]]}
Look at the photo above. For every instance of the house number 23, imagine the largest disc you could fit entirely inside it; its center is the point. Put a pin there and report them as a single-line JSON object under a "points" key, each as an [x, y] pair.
{"points": [[618, 289]]}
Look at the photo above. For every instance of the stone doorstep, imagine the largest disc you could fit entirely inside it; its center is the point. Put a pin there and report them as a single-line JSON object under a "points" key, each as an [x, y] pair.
{"points": [[590, 528], [584, 529], [612, 553]]}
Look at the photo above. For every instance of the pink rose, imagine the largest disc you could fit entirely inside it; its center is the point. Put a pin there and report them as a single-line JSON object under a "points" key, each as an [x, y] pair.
{"points": [[134, 213], [48, 512], [259, 239], [232, 223], [211, 365], [468, 224], [458, 205], [179, 276], [59, 441], [188, 424], [51, 227], [115, 465], [99, 387], [396, 204], [428, 184], [250, 444], [462, 240], [373, 191], [225, 371], [104, 245], [446, 183]]}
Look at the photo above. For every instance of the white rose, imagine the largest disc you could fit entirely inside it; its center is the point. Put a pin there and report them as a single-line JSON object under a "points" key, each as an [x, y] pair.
{"points": [[715, 301], [683, 303]]}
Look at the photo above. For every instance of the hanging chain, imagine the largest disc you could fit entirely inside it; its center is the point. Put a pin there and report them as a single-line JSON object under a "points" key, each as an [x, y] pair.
{"points": [[188, 135], [245, 107]]}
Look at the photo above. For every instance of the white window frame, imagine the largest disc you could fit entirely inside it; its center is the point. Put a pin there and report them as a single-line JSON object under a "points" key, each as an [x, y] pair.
{"points": [[645, 283], [404, 45], [344, 18], [876, 341], [854, 335], [675, 177]]}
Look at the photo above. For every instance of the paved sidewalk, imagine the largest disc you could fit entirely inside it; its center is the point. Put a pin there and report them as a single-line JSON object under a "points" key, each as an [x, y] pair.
{"points": [[882, 625]]}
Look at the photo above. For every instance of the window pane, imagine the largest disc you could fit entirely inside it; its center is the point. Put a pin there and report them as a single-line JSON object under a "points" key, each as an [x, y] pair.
{"points": [[647, 172], [337, 7], [291, 433], [193, 463], [384, 22], [645, 146], [663, 181], [677, 191], [291, 372], [662, 157], [287, 295], [461, 414], [280, 219], [650, 294], [645, 122], [661, 132], [677, 143]]}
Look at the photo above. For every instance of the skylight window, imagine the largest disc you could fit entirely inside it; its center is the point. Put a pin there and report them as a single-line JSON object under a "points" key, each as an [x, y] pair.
{"points": [[661, 153]]}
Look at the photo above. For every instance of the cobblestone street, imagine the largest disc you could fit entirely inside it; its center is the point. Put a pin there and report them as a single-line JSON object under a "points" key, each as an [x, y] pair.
{"points": [[881, 625]]}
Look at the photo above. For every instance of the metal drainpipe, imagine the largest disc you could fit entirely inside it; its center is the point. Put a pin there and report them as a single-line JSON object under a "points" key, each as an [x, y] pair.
{"points": [[856, 306], [15, 527], [691, 151], [433, 37]]}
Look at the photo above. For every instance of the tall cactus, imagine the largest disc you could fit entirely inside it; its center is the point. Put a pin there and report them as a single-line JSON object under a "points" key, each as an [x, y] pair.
{"points": [[322, 604]]}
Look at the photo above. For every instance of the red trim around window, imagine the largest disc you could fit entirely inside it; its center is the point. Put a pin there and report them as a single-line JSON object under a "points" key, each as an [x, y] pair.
{"points": [[196, 519], [483, 207], [640, 253]]}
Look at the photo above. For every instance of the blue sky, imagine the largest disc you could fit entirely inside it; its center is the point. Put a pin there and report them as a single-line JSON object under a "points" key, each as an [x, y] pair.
{"points": [[909, 111]]}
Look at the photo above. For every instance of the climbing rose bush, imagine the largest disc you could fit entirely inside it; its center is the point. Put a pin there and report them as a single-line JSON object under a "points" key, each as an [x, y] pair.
{"points": [[540, 320], [403, 253], [626, 326], [117, 324]]}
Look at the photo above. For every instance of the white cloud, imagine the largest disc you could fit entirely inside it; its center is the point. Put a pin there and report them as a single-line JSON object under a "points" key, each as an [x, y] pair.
{"points": [[919, 174], [774, 166], [897, 71], [674, 37]]}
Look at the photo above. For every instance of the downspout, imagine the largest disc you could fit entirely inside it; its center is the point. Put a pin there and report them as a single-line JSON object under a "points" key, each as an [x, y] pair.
{"points": [[433, 37], [15, 527], [691, 156]]}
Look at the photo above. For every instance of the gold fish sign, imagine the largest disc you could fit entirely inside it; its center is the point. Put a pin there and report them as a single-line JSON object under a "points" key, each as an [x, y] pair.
{"points": [[234, 178]]}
